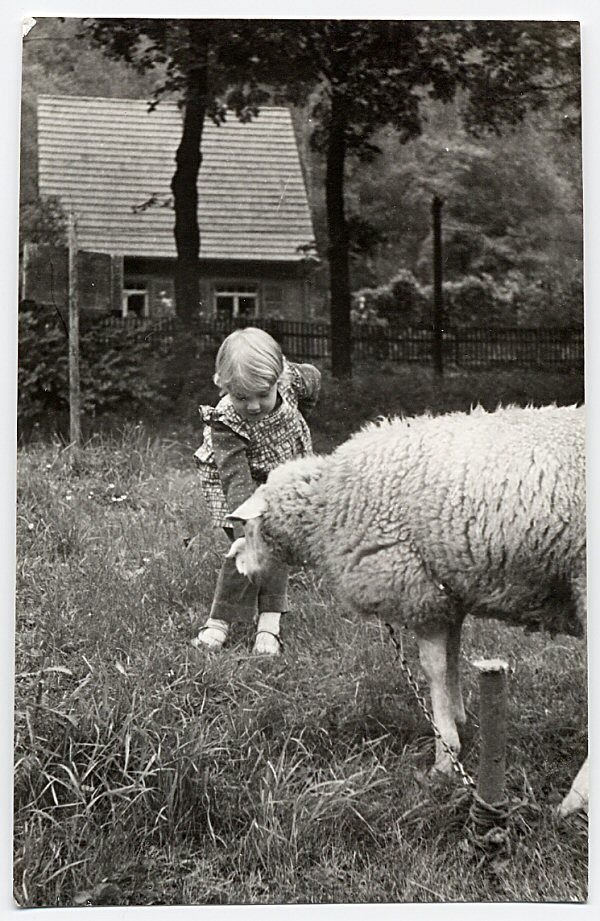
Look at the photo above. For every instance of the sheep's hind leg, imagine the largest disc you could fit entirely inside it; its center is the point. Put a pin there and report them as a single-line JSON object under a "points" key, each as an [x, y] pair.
{"points": [[453, 671], [433, 653], [578, 796]]}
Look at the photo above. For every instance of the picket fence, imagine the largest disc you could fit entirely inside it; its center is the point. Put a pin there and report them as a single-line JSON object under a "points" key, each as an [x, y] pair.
{"points": [[553, 347]]}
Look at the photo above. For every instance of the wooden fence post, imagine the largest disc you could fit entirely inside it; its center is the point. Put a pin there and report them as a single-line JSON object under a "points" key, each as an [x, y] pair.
{"points": [[24, 272], [438, 306], [74, 381], [492, 722]]}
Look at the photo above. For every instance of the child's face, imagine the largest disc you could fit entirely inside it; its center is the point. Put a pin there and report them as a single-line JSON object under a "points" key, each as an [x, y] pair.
{"points": [[253, 404]]}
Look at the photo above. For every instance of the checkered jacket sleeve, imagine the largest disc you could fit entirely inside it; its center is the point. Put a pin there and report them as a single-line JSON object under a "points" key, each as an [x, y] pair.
{"points": [[306, 381], [231, 458]]}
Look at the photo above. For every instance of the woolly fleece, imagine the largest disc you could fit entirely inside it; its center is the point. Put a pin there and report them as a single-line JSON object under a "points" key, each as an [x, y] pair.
{"points": [[411, 518]]}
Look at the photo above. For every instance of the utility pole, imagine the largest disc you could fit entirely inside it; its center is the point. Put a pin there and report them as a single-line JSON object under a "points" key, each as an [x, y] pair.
{"points": [[74, 382], [438, 304]]}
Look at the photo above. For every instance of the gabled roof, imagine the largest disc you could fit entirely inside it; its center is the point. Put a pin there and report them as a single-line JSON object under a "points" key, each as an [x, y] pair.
{"points": [[106, 157]]}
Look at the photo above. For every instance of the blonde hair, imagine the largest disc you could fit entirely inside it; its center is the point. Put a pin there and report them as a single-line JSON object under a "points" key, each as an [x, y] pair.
{"points": [[250, 358]]}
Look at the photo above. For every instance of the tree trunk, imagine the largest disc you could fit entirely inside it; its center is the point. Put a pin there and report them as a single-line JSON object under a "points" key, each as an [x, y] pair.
{"points": [[339, 269], [184, 185]]}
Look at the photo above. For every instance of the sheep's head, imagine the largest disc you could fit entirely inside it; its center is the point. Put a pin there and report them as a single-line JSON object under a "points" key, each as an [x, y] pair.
{"points": [[278, 519], [251, 553]]}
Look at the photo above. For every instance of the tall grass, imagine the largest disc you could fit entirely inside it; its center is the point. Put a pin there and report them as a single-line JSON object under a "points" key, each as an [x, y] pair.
{"points": [[145, 776]]}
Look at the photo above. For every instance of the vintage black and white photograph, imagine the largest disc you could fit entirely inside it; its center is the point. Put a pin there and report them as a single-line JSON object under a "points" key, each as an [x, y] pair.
{"points": [[301, 463]]}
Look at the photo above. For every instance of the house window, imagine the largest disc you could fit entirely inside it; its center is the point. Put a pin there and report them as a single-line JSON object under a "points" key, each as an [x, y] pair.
{"points": [[236, 300], [135, 299]]}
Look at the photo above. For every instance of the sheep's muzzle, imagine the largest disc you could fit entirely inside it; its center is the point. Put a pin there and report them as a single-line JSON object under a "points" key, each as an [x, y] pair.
{"points": [[252, 556]]}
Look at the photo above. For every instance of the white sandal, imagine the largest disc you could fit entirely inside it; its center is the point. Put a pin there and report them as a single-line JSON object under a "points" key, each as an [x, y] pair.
{"points": [[266, 652], [212, 642]]}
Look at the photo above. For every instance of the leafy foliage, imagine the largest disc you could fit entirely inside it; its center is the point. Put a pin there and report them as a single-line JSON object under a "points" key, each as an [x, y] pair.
{"points": [[512, 202], [512, 211], [365, 76], [518, 67], [476, 300], [175, 48], [362, 75], [43, 220], [115, 369], [554, 299], [401, 300]]}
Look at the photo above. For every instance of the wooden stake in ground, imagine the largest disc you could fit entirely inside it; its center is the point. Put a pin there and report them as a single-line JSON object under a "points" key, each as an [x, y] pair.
{"points": [[74, 383], [492, 722]]}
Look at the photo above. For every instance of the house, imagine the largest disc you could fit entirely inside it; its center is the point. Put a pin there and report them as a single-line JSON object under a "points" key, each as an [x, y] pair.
{"points": [[110, 161]]}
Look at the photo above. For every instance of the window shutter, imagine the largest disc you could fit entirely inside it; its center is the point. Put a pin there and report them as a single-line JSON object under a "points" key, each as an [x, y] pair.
{"points": [[206, 307], [94, 281], [117, 284], [273, 300]]}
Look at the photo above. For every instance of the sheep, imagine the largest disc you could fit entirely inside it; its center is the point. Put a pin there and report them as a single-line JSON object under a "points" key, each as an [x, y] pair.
{"points": [[427, 519]]}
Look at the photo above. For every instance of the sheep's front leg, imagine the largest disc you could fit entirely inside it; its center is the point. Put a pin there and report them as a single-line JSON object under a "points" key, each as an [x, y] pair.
{"points": [[453, 671], [433, 653]]}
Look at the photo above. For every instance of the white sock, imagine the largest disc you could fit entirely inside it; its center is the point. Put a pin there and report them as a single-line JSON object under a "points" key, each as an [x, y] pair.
{"points": [[269, 620]]}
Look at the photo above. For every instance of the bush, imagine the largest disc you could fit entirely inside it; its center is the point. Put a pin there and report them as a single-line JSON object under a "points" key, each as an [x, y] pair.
{"points": [[556, 299], [474, 300], [477, 300], [115, 369], [401, 300]]}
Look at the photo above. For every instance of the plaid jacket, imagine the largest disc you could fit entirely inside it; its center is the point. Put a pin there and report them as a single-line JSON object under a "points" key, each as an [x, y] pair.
{"points": [[236, 456]]}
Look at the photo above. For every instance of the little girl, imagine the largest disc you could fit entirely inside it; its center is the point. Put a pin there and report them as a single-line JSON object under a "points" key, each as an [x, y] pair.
{"points": [[254, 427]]}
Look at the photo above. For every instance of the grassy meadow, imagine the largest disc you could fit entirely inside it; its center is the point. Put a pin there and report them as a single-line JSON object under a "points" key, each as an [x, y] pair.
{"points": [[147, 776]]}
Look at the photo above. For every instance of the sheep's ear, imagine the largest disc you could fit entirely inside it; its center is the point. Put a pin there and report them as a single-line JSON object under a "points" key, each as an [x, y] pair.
{"points": [[253, 507]]}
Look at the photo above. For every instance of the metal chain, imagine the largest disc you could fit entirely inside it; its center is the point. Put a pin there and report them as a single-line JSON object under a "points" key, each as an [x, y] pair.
{"points": [[414, 686]]}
